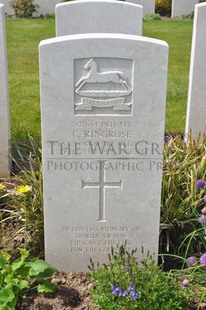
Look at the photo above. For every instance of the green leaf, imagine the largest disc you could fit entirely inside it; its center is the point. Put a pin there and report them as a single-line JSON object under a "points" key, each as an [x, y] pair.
{"points": [[11, 280], [46, 287], [5, 256], [6, 296], [24, 254], [40, 269], [23, 284], [2, 262], [17, 264]]}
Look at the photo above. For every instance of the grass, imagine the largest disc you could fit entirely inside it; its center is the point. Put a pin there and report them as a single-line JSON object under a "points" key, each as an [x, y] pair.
{"points": [[178, 34], [23, 37]]}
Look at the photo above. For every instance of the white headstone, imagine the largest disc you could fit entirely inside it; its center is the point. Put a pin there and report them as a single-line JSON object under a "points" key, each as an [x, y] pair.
{"points": [[103, 109], [45, 6], [182, 7], [7, 7], [4, 102], [196, 106], [98, 16], [148, 5]]}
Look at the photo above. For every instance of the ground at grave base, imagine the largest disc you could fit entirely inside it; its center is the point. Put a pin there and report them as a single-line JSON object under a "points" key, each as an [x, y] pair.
{"points": [[72, 293], [73, 289]]}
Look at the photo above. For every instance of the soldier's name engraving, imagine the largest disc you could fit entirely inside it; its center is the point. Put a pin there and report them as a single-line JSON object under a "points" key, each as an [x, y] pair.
{"points": [[99, 134]]}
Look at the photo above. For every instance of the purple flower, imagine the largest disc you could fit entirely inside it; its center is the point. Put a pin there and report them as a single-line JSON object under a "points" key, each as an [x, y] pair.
{"points": [[202, 219], [203, 211], [115, 289], [203, 259], [185, 282], [204, 198], [131, 287], [122, 292], [200, 184], [135, 294], [191, 261]]}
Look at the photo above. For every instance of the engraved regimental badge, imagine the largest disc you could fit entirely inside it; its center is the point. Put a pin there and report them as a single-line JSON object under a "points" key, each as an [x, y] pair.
{"points": [[101, 87]]}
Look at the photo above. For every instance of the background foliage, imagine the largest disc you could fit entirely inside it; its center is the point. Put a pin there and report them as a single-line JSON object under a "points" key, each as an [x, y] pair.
{"points": [[163, 7]]}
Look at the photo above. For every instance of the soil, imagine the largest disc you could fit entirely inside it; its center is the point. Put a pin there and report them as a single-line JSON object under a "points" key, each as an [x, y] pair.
{"points": [[72, 293]]}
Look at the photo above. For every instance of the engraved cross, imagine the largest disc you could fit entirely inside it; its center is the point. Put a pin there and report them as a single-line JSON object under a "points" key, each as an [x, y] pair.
{"points": [[102, 184]]}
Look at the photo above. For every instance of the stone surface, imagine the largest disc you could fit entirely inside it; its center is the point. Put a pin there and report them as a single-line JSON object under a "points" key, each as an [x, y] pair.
{"points": [[7, 8], [148, 5], [4, 102], [196, 106], [46, 6], [103, 109], [98, 16], [181, 7]]}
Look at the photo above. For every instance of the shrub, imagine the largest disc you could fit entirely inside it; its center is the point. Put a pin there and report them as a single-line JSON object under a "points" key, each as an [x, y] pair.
{"points": [[127, 284], [23, 8], [152, 16], [17, 276], [163, 7], [21, 200], [183, 165], [189, 16]]}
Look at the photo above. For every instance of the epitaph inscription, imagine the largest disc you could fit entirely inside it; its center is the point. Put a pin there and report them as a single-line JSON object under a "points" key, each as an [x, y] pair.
{"points": [[99, 239]]}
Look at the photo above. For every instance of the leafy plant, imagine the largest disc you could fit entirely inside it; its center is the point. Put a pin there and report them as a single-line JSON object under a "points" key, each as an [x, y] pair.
{"points": [[24, 8], [183, 165], [198, 233], [127, 284], [17, 276], [152, 16], [194, 274], [189, 16], [22, 199]]}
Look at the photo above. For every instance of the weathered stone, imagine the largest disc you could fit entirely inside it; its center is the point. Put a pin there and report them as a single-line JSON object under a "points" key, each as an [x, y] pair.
{"points": [[148, 5], [183, 7], [196, 107], [98, 16], [4, 102], [103, 105]]}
